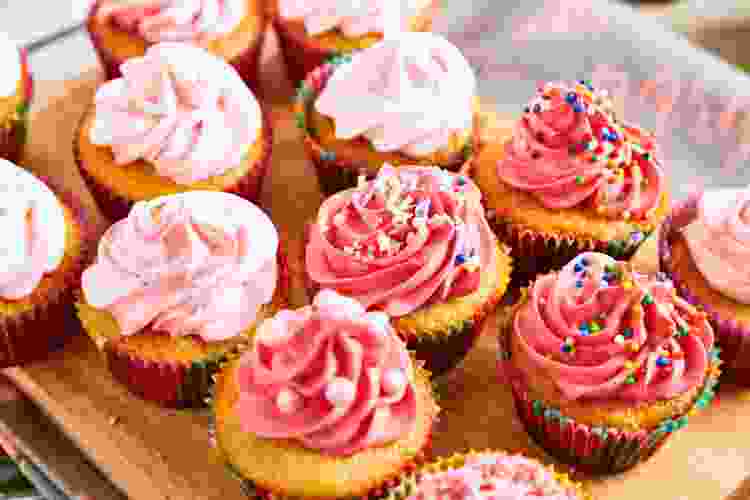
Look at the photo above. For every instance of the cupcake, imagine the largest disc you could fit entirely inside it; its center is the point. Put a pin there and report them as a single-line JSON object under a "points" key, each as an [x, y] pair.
{"points": [[310, 32], [604, 363], [291, 403], [407, 100], [41, 261], [704, 246], [413, 243], [178, 120], [232, 30], [486, 474], [572, 178], [15, 99], [178, 286]]}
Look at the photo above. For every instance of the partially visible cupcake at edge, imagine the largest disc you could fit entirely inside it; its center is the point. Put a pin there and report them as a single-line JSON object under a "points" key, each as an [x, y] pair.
{"points": [[312, 31], [178, 119], [327, 403], [491, 474], [415, 244], [407, 100], [605, 363], [571, 177], [42, 255], [15, 98], [705, 248], [232, 30], [178, 286]]}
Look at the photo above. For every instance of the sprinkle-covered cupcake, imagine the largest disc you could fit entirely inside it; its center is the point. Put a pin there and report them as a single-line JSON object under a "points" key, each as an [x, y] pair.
{"points": [[15, 98], [704, 247], [328, 392], [42, 254], [572, 178], [415, 244], [232, 30], [605, 363], [179, 285], [178, 120], [487, 474], [408, 100], [310, 32]]}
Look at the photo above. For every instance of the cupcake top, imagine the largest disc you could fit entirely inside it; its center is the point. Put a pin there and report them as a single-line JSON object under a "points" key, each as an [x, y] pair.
{"points": [[411, 93], [174, 20], [569, 150], [719, 241], [598, 330], [186, 264], [494, 475], [10, 61], [352, 18], [32, 222], [410, 237], [330, 376], [182, 110]]}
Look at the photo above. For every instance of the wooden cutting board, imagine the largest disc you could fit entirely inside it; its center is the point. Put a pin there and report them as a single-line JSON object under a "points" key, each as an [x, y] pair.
{"points": [[153, 453]]}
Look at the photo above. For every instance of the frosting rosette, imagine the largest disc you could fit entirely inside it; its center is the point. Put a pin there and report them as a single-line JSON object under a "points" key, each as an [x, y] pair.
{"points": [[410, 237], [493, 476], [186, 264], [570, 150], [412, 94], [598, 330], [180, 109], [32, 221], [174, 20], [719, 241], [331, 376]]}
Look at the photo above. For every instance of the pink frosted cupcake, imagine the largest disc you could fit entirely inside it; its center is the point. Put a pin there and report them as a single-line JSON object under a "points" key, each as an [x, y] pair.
{"points": [[605, 364], [705, 249], [15, 99], [232, 30], [413, 243], [178, 286], [179, 119]]}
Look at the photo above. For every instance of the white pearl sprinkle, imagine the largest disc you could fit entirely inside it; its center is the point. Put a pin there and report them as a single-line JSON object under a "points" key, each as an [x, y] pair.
{"points": [[340, 392]]}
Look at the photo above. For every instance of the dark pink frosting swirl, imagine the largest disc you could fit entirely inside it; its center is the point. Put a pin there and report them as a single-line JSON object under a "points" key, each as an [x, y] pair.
{"points": [[331, 375], [601, 331], [412, 236], [569, 150]]}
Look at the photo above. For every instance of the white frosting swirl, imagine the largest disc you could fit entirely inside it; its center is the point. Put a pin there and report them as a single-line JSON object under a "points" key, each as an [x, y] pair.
{"points": [[410, 94], [10, 61], [32, 224]]}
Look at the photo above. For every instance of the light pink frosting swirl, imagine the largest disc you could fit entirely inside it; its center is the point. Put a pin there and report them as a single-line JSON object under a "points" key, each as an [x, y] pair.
{"points": [[180, 109], [719, 241], [493, 476], [32, 222], [196, 263], [572, 152], [331, 376], [629, 337], [174, 20], [409, 94], [412, 236]]}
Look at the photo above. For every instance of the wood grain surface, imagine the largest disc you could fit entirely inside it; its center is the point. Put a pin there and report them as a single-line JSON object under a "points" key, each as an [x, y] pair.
{"points": [[152, 453]]}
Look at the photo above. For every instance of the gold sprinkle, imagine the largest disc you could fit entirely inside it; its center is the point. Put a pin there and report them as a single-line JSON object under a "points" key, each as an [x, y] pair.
{"points": [[627, 285], [629, 365]]}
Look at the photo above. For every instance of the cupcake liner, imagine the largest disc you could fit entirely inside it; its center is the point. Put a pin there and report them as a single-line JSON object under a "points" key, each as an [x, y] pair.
{"points": [[536, 253], [440, 351], [733, 336], [33, 334], [301, 55], [246, 63], [595, 449], [13, 137], [250, 186], [176, 384], [335, 173], [417, 459]]}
